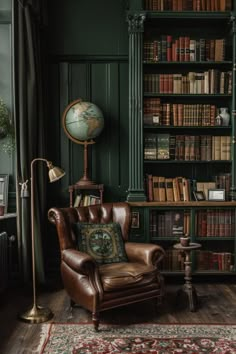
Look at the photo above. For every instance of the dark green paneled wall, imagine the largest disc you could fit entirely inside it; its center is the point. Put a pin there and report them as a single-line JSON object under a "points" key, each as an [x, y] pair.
{"points": [[88, 53], [92, 27]]}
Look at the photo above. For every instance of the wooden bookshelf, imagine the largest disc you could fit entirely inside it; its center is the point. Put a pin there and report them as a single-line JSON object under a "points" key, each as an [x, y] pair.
{"points": [[188, 57]]}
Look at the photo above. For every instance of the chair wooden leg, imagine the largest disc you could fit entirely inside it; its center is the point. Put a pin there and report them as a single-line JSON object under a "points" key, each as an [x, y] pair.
{"points": [[95, 319], [159, 300]]}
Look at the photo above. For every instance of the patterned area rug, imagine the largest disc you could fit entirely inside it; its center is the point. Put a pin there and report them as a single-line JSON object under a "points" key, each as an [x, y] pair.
{"points": [[138, 339]]}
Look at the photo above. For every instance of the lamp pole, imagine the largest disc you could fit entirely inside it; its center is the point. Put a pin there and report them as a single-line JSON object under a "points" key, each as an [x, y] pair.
{"points": [[38, 314]]}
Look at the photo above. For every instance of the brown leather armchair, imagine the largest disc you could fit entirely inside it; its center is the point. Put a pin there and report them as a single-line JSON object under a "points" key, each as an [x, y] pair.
{"points": [[102, 287]]}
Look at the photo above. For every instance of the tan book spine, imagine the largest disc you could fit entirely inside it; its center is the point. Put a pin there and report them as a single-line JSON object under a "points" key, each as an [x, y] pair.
{"points": [[156, 188], [169, 189], [223, 148], [176, 193], [186, 190], [228, 147], [162, 189], [217, 147]]}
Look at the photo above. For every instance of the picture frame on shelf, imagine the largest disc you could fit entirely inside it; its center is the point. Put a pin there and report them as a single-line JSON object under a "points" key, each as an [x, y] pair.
{"points": [[135, 220], [4, 185], [216, 195], [199, 196]]}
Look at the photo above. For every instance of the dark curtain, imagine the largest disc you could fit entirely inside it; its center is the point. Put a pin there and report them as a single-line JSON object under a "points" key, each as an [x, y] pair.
{"points": [[29, 23]]}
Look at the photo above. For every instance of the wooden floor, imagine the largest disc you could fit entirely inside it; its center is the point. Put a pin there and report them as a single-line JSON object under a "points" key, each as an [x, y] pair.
{"points": [[216, 305]]}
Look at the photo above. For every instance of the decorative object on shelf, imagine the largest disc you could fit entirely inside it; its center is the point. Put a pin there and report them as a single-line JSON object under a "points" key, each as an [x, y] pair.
{"points": [[216, 195], [38, 314], [199, 196], [7, 130], [223, 117], [135, 223], [82, 122]]}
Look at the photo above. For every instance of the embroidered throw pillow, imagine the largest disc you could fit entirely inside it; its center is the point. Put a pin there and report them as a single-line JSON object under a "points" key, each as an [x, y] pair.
{"points": [[103, 242]]}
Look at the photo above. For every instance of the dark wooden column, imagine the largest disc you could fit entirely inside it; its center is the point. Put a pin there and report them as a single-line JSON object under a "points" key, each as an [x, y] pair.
{"points": [[233, 114], [136, 183]]}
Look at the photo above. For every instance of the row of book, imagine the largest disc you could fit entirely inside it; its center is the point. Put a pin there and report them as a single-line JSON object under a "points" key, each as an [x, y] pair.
{"points": [[212, 81], [208, 223], [175, 189], [187, 147], [179, 114], [209, 260], [215, 222], [184, 49], [168, 223], [85, 200], [205, 261], [188, 5]]}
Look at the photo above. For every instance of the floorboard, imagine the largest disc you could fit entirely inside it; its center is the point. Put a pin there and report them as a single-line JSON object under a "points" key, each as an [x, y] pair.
{"points": [[216, 305]]}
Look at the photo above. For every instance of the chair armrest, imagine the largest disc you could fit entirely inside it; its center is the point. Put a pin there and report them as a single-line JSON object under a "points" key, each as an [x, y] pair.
{"points": [[80, 262], [146, 253]]}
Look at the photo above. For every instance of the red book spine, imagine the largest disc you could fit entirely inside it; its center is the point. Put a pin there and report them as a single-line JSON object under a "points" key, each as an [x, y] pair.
{"points": [[169, 48], [186, 49], [181, 48]]}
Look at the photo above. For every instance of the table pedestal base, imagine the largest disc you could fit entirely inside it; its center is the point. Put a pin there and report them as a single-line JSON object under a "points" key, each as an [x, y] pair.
{"points": [[188, 292]]}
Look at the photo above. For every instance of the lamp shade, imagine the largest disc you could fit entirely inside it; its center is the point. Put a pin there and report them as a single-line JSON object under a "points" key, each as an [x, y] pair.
{"points": [[54, 172]]}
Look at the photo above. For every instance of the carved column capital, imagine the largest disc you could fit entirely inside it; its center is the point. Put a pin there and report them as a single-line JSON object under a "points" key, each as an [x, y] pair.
{"points": [[136, 22]]}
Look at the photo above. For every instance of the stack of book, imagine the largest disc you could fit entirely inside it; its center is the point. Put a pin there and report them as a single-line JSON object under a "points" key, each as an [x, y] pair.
{"points": [[175, 189], [168, 223], [215, 223], [219, 261], [85, 200], [187, 147], [212, 81], [179, 114], [163, 189], [184, 48]]}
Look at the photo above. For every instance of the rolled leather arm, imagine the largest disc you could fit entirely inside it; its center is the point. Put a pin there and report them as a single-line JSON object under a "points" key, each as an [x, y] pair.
{"points": [[146, 253], [80, 262]]}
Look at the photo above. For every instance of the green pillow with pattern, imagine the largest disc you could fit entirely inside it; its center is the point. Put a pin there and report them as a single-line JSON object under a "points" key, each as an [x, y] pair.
{"points": [[103, 242]]}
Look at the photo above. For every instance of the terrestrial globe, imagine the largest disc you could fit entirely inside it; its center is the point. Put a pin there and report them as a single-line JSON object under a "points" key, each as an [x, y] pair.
{"points": [[83, 122]]}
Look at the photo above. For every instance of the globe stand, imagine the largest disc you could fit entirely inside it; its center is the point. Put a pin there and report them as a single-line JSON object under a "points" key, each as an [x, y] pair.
{"points": [[82, 122], [85, 180]]}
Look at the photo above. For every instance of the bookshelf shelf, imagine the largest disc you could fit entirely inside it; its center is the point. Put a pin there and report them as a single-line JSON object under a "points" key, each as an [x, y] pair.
{"points": [[169, 127], [85, 194], [195, 96], [189, 15], [186, 162], [195, 63], [192, 146]]}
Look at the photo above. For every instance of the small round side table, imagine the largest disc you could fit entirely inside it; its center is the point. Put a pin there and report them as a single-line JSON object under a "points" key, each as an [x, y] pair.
{"points": [[188, 288]]}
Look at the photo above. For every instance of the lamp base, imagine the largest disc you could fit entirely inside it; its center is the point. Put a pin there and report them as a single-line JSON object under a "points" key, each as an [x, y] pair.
{"points": [[36, 314]]}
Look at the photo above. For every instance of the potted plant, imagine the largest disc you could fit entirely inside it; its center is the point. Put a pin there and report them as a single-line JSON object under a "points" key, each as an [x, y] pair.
{"points": [[7, 130]]}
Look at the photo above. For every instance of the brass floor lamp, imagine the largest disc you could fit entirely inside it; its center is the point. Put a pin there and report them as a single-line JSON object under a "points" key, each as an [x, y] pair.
{"points": [[38, 314]]}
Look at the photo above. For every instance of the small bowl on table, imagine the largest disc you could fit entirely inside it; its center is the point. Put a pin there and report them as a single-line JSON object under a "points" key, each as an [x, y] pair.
{"points": [[185, 241]]}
